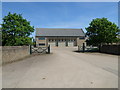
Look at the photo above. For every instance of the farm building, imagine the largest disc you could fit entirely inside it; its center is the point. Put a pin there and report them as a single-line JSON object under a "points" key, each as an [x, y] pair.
{"points": [[59, 37]]}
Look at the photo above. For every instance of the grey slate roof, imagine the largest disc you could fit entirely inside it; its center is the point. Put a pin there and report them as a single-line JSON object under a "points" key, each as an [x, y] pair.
{"points": [[59, 32]]}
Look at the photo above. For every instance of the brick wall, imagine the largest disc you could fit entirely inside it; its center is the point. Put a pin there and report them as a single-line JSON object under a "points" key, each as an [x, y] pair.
{"points": [[111, 49], [13, 53]]}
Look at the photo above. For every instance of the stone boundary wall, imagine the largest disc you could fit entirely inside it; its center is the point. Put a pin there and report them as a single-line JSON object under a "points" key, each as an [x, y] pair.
{"points": [[14, 53], [0, 55], [111, 49]]}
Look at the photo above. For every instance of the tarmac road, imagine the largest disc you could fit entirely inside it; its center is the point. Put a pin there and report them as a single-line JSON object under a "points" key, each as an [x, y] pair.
{"points": [[64, 68]]}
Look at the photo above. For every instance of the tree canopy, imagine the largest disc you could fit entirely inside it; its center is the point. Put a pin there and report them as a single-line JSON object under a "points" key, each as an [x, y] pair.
{"points": [[16, 30], [101, 31]]}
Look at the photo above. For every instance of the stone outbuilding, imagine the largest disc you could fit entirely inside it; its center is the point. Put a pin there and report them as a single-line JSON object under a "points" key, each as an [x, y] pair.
{"points": [[59, 37]]}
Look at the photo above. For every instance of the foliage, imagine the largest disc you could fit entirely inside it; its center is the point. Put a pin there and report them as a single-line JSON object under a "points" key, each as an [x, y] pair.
{"points": [[117, 40], [16, 30], [101, 31]]}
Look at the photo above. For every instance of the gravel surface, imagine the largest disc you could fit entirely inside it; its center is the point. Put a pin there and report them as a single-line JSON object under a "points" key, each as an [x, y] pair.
{"points": [[63, 68]]}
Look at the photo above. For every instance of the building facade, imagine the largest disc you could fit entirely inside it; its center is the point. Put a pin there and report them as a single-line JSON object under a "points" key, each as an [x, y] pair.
{"points": [[59, 37]]}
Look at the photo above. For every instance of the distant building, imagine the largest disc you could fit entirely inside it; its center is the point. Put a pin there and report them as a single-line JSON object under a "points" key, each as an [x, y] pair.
{"points": [[59, 37]]}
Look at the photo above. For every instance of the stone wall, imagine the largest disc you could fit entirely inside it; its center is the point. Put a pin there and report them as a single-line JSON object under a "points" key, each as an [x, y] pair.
{"points": [[13, 53], [0, 55], [111, 49]]}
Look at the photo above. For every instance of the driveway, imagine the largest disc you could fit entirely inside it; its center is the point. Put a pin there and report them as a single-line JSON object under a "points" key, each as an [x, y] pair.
{"points": [[64, 68]]}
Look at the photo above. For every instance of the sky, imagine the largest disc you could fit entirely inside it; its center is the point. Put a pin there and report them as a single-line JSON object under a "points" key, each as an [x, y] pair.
{"points": [[62, 14], [60, 0]]}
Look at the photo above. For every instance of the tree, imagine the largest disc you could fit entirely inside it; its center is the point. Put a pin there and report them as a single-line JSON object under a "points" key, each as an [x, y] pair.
{"points": [[101, 31], [16, 30]]}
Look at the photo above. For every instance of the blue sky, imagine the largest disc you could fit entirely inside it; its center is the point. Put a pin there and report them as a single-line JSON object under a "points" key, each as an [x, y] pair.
{"points": [[62, 14]]}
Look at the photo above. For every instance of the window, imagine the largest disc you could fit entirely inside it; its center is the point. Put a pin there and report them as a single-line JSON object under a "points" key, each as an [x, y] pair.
{"points": [[41, 44], [41, 38]]}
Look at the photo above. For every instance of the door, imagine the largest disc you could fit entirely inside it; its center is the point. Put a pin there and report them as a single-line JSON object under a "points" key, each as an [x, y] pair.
{"points": [[70, 43], [52, 44], [61, 44]]}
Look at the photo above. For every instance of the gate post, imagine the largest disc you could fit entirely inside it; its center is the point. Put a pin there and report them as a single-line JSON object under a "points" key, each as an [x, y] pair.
{"points": [[30, 49], [83, 47], [49, 49], [78, 48]]}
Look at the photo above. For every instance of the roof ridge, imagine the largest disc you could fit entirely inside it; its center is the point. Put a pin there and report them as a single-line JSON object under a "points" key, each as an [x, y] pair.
{"points": [[59, 32]]}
